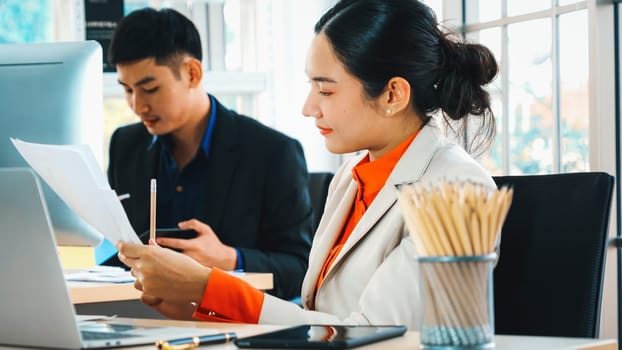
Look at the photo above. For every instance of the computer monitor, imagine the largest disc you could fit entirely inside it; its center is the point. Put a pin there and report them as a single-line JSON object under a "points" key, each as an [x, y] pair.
{"points": [[52, 93]]}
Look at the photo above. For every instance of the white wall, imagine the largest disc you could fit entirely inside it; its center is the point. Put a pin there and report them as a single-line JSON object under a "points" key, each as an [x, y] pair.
{"points": [[602, 137], [293, 23]]}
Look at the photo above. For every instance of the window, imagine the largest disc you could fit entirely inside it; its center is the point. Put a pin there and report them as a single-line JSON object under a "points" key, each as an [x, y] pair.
{"points": [[26, 21], [255, 52], [232, 61], [255, 64], [541, 96]]}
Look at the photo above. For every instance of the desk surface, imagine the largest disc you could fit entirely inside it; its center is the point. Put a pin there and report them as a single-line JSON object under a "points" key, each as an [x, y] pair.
{"points": [[93, 292], [409, 341]]}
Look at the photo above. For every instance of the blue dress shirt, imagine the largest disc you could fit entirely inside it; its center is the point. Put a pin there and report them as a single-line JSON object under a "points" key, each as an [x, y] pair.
{"points": [[180, 193]]}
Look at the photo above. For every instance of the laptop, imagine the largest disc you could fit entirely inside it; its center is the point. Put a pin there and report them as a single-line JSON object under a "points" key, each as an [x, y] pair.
{"points": [[35, 307]]}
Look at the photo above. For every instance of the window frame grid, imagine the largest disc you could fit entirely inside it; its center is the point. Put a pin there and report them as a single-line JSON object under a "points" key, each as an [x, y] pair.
{"points": [[553, 13]]}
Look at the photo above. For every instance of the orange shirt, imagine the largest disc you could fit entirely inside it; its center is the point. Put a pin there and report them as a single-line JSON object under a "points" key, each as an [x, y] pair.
{"points": [[370, 177], [229, 299]]}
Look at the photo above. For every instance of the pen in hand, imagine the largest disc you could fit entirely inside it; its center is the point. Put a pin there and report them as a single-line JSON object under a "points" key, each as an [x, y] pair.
{"points": [[194, 342], [152, 216]]}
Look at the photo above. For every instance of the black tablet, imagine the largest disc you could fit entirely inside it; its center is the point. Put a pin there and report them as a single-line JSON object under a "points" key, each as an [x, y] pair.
{"points": [[321, 336]]}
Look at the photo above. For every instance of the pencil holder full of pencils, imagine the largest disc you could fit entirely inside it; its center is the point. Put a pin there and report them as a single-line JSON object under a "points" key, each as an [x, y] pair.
{"points": [[455, 228], [457, 301]]}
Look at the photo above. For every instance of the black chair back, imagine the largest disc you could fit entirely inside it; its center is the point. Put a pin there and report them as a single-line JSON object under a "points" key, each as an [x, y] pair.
{"points": [[549, 277], [318, 189]]}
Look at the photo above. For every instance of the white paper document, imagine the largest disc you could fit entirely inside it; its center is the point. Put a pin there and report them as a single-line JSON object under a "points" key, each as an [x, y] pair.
{"points": [[72, 172], [104, 274]]}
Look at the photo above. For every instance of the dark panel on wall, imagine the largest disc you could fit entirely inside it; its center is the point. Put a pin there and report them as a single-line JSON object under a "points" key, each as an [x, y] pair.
{"points": [[101, 17]]}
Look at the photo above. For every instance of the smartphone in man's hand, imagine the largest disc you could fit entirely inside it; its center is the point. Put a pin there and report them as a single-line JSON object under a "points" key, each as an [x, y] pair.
{"points": [[176, 233], [173, 232]]}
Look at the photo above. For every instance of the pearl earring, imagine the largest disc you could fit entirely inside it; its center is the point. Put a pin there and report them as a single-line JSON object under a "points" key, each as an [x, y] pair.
{"points": [[389, 111]]}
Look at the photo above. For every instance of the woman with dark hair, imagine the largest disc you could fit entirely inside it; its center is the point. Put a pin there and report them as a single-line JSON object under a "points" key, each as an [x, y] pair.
{"points": [[378, 69]]}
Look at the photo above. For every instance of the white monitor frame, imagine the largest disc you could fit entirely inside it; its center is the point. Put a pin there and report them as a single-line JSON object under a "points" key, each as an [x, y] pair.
{"points": [[52, 93]]}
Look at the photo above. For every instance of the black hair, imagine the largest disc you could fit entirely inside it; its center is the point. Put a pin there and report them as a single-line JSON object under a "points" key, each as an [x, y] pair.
{"points": [[147, 33], [377, 40]]}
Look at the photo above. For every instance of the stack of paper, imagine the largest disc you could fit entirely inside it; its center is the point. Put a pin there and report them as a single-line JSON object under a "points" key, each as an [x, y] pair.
{"points": [[106, 274], [72, 172]]}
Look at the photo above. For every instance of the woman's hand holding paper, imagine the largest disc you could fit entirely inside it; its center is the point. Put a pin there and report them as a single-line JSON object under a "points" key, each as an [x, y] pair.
{"points": [[157, 269]]}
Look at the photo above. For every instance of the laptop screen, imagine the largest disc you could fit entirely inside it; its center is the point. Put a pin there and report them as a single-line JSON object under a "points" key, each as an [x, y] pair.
{"points": [[35, 303]]}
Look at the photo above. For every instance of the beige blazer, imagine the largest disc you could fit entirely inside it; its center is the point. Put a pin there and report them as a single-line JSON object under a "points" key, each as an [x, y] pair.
{"points": [[374, 279]]}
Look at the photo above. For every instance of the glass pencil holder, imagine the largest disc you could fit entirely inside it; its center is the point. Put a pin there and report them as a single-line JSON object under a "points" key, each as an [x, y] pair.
{"points": [[457, 301]]}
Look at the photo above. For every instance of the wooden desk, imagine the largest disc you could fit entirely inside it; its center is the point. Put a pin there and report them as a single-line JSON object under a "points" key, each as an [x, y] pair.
{"points": [[92, 292], [409, 341], [122, 299]]}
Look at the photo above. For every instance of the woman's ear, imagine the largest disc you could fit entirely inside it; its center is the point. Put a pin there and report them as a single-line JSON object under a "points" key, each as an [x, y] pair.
{"points": [[396, 97], [195, 72]]}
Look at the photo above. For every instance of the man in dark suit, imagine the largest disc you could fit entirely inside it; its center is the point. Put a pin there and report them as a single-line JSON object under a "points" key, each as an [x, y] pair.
{"points": [[239, 184]]}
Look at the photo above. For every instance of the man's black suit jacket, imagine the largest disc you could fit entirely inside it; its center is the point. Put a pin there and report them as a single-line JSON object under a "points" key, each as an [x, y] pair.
{"points": [[257, 200]]}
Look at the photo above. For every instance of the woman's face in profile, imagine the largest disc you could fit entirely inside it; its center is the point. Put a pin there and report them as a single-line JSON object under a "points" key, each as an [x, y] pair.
{"points": [[343, 115]]}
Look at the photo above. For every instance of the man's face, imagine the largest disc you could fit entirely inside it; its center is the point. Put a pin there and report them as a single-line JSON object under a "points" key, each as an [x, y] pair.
{"points": [[156, 94]]}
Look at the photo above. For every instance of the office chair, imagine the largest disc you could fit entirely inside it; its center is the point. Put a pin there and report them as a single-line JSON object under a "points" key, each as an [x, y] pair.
{"points": [[549, 277], [318, 189]]}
